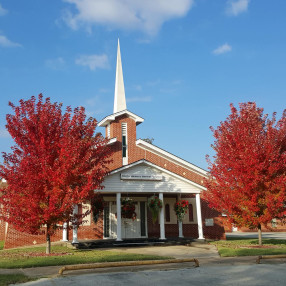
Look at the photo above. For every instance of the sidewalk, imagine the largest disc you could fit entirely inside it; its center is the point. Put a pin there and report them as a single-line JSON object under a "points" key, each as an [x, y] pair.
{"points": [[206, 254]]}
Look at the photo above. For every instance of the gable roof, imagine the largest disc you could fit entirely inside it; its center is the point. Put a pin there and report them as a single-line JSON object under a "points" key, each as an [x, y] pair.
{"points": [[106, 120], [143, 161]]}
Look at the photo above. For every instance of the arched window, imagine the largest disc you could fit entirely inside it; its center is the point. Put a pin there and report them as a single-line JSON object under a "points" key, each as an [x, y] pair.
{"points": [[191, 213], [167, 212]]}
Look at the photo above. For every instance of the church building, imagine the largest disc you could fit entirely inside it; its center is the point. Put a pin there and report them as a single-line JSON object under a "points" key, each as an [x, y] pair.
{"points": [[139, 171]]}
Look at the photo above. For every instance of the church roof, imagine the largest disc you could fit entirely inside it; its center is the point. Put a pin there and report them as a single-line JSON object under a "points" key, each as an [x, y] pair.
{"points": [[119, 97], [106, 120], [119, 92]]}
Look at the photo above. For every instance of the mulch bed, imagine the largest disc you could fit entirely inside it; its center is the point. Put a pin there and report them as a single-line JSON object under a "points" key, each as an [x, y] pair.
{"points": [[260, 246], [40, 254]]}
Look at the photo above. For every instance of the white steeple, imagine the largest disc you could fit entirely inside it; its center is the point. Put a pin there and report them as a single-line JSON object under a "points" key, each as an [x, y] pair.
{"points": [[119, 93]]}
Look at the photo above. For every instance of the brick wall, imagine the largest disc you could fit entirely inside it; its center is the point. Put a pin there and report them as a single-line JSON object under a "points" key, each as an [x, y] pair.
{"points": [[2, 230], [136, 153], [15, 238]]}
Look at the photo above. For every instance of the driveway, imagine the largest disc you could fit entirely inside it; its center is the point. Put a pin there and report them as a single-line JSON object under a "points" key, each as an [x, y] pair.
{"points": [[273, 235], [196, 250]]}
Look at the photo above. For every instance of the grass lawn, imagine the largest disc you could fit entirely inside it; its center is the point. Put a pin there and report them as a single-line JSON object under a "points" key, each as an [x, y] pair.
{"points": [[250, 247], [1, 244], [7, 279], [35, 257]]}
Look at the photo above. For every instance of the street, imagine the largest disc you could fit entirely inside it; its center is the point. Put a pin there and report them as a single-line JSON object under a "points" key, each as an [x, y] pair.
{"points": [[246, 275]]}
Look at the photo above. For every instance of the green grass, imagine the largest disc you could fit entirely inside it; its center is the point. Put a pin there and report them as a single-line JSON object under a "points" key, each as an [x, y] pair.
{"points": [[249, 247], [1, 244], [7, 279], [23, 258]]}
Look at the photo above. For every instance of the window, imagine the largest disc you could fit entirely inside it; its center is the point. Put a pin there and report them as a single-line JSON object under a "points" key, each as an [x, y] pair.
{"points": [[142, 219], [124, 144], [167, 213], [106, 222], [191, 213]]}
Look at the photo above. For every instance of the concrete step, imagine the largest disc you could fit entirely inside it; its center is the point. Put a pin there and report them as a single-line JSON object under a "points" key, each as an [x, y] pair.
{"points": [[108, 243]]}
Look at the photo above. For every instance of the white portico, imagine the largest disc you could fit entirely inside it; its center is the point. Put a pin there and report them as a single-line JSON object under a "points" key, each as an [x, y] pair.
{"points": [[139, 181]]}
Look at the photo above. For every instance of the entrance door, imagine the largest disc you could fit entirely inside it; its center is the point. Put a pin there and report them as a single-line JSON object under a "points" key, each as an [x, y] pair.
{"points": [[129, 228]]}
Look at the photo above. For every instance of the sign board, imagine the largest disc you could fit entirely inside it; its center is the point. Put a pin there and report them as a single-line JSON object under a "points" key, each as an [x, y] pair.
{"points": [[209, 222], [141, 177]]}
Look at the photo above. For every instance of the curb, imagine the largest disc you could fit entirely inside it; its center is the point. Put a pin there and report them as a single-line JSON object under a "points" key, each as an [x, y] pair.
{"points": [[130, 263]]}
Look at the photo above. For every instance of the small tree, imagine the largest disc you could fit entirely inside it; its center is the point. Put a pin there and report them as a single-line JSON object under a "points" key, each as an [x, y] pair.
{"points": [[57, 163], [247, 179]]}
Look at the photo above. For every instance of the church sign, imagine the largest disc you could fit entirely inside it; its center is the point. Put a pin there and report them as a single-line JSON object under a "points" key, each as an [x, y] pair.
{"points": [[141, 177]]}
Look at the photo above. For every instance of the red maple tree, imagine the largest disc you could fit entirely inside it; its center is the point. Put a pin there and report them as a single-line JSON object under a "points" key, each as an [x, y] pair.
{"points": [[247, 179], [57, 163]]}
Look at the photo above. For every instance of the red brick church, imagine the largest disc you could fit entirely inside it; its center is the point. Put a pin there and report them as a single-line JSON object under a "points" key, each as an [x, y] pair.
{"points": [[139, 170]]}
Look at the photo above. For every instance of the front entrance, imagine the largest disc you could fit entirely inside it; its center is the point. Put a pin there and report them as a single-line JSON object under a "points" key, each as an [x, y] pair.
{"points": [[136, 228]]}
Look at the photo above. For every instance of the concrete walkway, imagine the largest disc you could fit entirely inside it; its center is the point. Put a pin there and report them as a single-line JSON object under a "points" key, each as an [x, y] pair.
{"points": [[196, 250]]}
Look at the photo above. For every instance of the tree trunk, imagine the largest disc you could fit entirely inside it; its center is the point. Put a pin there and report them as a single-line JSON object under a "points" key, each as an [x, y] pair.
{"points": [[48, 246], [259, 235]]}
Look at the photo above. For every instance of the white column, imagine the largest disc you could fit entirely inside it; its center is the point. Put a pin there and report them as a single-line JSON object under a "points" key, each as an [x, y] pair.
{"points": [[74, 231], [180, 223], [65, 232], [162, 218], [118, 210], [199, 216]]}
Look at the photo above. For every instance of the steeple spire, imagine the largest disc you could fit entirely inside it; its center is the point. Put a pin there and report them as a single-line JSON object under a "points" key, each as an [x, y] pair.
{"points": [[119, 93]]}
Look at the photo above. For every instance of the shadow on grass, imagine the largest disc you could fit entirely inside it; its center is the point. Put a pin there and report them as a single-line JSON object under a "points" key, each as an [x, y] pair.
{"points": [[8, 279], [237, 238]]}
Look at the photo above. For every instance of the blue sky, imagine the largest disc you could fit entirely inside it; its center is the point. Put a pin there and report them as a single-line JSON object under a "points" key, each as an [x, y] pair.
{"points": [[184, 61]]}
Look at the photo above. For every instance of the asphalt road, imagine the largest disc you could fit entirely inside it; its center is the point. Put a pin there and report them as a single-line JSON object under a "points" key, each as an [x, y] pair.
{"points": [[244, 275]]}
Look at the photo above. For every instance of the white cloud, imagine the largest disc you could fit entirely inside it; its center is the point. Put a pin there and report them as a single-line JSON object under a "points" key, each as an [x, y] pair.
{"points": [[3, 11], [139, 99], [93, 61], [5, 42], [236, 7], [55, 64], [4, 133], [144, 15], [95, 105], [222, 49]]}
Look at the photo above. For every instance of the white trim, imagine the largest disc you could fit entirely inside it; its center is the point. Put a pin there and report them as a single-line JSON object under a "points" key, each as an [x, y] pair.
{"points": [[162, 153], [162, 218], [113, 116], [118, 210], [124, 133], [112, 140], [199, 217], [159, 168]]}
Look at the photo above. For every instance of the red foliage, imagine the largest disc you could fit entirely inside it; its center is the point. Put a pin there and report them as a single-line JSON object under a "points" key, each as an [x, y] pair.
{"points": [[247, 179], [57, 162]]}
